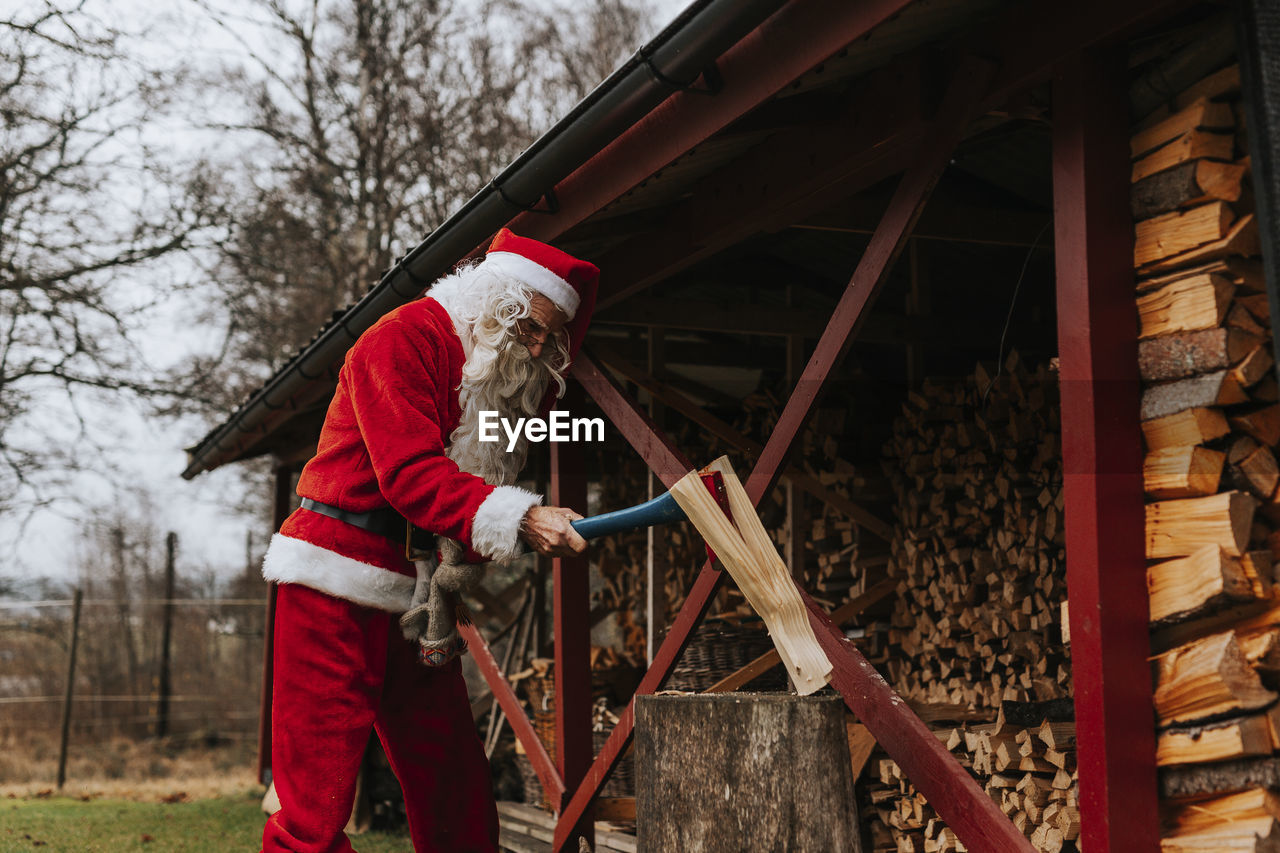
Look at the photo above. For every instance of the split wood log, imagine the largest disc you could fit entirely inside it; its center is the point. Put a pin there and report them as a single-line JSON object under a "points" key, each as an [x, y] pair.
{"points": [[1219, 388], [1190, 584], [1176, 356], [1236, 738], [1203, 114], [1245, 273], [748, 553], [1240, 317], [1205, 679], [1257, 304], [1190, 426], [1242, 239], [771, 658], [1185, 305], [1220, 85], [1253, 367], [1181, 231], [1180, 527], [1256, 470], [1192, 145], [1197, 782], [1244, 821], [1182, 472], [1186, 185]]}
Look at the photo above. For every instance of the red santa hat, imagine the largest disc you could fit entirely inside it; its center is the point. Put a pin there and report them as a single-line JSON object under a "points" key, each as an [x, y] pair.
{"points": [[570, 283]]}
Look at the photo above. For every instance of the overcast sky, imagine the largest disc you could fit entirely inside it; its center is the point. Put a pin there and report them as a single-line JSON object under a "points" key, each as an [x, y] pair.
{"points": [[147, 454]]}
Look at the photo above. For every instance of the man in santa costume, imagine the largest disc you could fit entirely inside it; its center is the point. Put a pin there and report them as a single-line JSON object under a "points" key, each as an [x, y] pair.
{"points": [[400, 446]]}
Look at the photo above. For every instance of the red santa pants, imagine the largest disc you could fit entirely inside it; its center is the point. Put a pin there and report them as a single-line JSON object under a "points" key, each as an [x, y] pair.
{"points": [[339, 669]]}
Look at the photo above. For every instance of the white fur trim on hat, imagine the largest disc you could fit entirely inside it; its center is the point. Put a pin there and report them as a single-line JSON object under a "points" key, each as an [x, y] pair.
{"points": [[537, 277], [495, 530], [290, 560]]}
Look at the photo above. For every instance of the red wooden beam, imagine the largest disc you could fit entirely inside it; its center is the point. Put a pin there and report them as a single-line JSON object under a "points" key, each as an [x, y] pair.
{"points": [[572, 626], [953, 793], [1102, 456], [653, 445], [488, 665], [792, 175], [788, 44]]}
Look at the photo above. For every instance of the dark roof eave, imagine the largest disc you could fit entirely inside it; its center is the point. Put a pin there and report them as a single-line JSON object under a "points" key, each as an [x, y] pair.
{"points": [[673, 59]]}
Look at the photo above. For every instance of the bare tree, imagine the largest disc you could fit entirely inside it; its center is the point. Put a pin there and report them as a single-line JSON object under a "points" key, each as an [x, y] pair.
{"points": [[370, 122], [83, 208]]}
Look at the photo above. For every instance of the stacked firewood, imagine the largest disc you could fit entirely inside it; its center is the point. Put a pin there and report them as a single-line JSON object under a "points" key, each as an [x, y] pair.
{"points": [[839, 563], [977, 473], [1029, 772], [1211, 424]]}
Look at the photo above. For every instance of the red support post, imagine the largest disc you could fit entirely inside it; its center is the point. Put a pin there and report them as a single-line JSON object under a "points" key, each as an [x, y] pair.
{"points": [[572, 617], [1102, 456]]}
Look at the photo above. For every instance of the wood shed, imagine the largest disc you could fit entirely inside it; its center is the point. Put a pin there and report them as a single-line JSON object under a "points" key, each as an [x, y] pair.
{"points": [[979, 298]]}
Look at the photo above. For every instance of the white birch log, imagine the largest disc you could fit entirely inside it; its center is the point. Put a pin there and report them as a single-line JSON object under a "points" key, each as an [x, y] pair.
{"points": [[745, 549]]}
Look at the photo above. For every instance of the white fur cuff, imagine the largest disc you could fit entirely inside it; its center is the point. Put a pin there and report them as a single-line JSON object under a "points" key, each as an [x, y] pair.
{"points": [[495, 530], [290, 560]]}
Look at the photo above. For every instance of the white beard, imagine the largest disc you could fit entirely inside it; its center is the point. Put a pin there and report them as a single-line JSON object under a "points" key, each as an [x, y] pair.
{"points": [[513, 368], [499, 374]]}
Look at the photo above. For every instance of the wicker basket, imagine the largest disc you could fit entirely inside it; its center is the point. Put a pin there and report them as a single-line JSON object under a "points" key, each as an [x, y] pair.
{"points": [[719, 650]]}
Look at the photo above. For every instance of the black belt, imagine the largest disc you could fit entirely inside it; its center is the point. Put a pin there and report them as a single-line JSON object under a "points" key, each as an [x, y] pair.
{"points": [[384, 522]]}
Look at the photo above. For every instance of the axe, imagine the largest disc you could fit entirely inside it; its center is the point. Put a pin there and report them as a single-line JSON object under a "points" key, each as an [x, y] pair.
{"points": [[431, 621], [661, 510]]}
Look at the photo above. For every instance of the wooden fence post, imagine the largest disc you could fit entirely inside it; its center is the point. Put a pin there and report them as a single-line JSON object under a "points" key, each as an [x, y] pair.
{"points": [[166, 637], [71, 680]]}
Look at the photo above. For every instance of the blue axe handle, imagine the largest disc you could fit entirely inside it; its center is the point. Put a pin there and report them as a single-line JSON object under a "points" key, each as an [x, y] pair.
{"points": [[661, 510]]}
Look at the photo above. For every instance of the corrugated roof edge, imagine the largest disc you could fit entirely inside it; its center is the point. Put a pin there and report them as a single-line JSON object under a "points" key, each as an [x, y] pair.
{"points": [[672, 59]]}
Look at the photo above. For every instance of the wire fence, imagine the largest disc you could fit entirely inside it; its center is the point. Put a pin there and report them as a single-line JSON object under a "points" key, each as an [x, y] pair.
{"points": [[131, 667]]}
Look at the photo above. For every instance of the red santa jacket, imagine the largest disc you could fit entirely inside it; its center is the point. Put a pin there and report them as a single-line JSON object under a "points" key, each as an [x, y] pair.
{"points": [[383, 444]]}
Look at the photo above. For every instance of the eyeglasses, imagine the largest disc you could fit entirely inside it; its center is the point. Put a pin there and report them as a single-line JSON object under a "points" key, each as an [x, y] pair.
{"points": [[529, 332]]}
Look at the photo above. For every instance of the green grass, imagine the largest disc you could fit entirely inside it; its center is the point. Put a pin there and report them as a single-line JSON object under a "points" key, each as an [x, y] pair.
{"points": [[64, 825]]}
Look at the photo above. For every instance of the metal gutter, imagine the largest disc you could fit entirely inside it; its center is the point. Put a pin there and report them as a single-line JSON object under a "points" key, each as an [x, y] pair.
{"points": [[671, 62]]}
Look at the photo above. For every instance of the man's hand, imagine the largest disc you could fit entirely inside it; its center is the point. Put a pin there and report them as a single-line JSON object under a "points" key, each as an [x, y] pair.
{"points": [[547, 530]]}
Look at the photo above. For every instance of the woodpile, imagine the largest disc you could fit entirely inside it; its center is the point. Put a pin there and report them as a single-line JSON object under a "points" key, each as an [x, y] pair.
{"points": [[839, 562], [977, 473], [1211, 424], [1030, 772]]}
